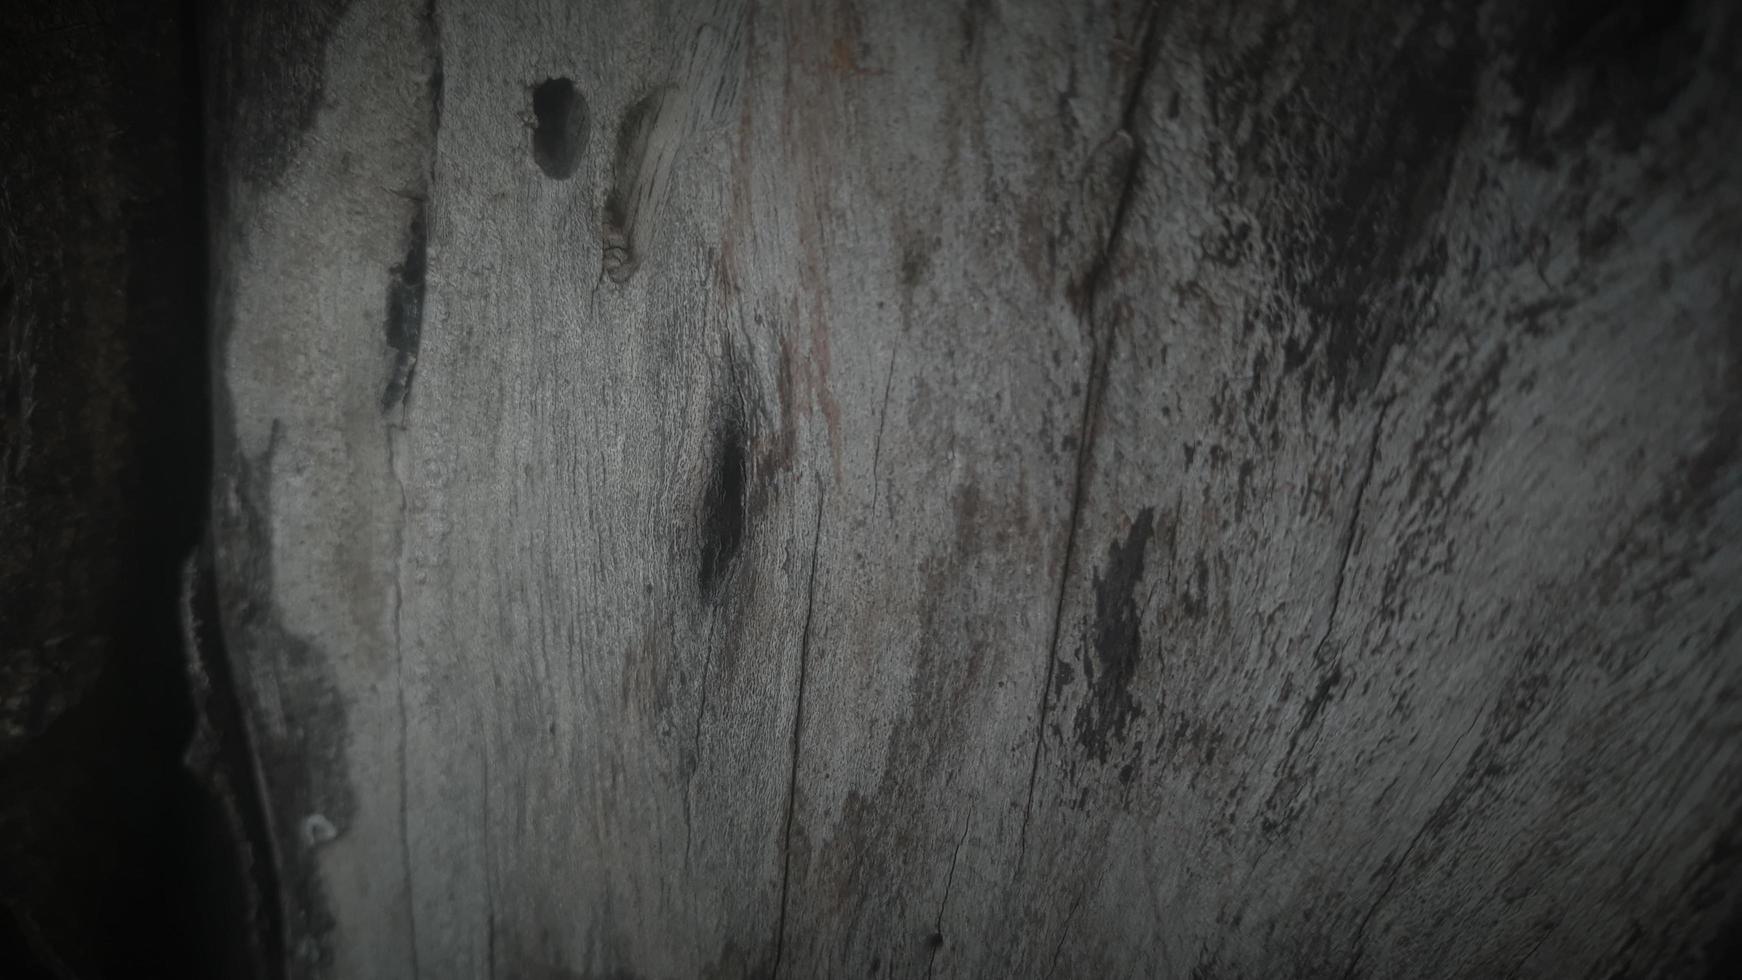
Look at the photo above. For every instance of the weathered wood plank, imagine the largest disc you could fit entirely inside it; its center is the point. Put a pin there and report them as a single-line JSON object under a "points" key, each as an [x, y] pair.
{"points": [[994, 490]]}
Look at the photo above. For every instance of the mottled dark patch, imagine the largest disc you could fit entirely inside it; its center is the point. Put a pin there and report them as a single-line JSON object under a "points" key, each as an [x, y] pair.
{"points": [[1196, 740], [1230, 244], [1106, 190], [1530, 690], [1671, 542], [1537, 317], [1711, 471], [1110, 661], [1462, 407], [405, 293], [561, 124], [266, 80], [436, 89], [1282, 806], [916, 253], [1243, 488], [435, 83], [1596, 238], [532, 949], [733, 963], [1604, 68], [1063, 678], [1714, 892], [1352, 160], [865, 867], [971, 19], [737, 485], [723, 501]]}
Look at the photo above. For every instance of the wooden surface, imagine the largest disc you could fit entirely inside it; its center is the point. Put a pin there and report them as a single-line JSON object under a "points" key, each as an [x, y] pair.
{"points": [[987, 489]]}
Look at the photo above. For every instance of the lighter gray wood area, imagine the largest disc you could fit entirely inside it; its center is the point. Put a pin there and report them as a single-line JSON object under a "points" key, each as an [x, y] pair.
{"points": [[1221, 496]]}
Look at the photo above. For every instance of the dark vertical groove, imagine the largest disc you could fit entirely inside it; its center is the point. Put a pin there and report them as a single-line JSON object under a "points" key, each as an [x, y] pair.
{"points": [[1085, 452], [406, 292], [804, 649], [1064, 934], [405, 295], [487, 822], [723, 501], [1353, 526], [937, 926], [1093, 396], [1358, 944], [1329, 682], [877, 443], [695, 760]]}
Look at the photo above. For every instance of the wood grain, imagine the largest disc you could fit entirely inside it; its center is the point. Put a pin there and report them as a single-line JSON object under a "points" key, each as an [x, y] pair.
{"points": [[996, 489]]}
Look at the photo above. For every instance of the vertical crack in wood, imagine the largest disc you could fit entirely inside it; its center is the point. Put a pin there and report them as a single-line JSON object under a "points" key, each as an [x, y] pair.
{"points": [[696, 736], [432, 39], [1530, 954], [1353, 526], [1071, 917], [1322, 694], [804, 648], [730, 470], [877, 444], [1091, 410], [404, 711], [943, 903], [407, 285], [1064, 933], [1093, 395], [405, 299], [431, 29], [489, 864], [1155, 906], [1358, 943]]}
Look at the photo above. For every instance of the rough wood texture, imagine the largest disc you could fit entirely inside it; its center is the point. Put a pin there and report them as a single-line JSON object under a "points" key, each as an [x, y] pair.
{"points": [[985, 489]]}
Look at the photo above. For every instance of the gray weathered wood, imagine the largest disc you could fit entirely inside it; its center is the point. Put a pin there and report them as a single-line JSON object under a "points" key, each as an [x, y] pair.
{"points": [[989, 489]]}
